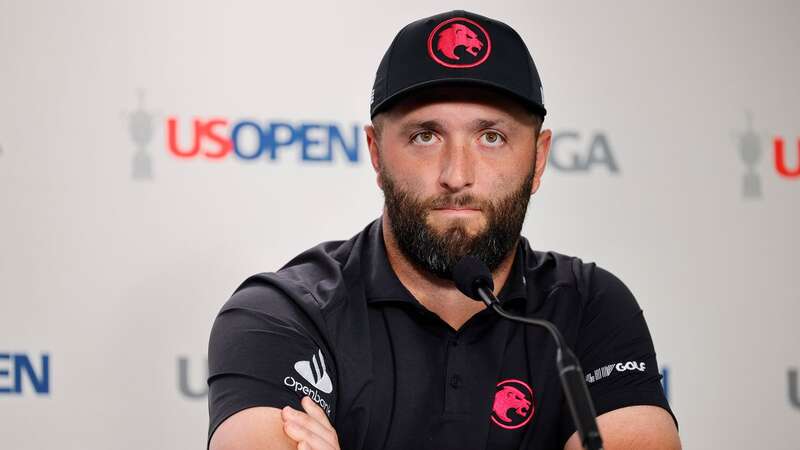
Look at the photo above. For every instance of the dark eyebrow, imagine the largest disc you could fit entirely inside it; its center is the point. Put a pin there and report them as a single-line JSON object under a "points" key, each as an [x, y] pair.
{"points": [[480, 124], [434, 125]]}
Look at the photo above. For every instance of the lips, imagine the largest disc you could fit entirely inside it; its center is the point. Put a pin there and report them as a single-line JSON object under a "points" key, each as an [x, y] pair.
{"points": [[457, 211]]}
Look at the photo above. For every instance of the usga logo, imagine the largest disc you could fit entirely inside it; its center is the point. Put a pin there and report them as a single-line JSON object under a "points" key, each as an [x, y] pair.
{"points": [[785, 158]]}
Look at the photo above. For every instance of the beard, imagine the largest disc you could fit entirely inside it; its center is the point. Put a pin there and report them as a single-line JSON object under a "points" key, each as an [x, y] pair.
{"points": [[439, 251]]}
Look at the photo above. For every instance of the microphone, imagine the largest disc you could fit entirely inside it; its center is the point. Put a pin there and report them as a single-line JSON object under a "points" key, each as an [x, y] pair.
{"points": [[474, 280]]}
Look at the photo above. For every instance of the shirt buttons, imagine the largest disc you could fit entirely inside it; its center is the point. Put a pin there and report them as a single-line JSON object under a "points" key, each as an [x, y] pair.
{"points": [[455, 381]]}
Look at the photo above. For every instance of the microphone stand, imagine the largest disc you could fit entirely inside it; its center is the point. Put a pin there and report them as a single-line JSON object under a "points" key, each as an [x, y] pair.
{"points": [[569, 370]]}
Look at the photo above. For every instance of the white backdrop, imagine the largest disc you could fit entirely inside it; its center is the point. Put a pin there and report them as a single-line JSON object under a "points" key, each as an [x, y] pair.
{"points": [[115, 276]]}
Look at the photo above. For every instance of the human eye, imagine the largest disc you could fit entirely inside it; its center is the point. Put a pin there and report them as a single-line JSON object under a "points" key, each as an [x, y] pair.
{"points": [[492, 139], [426, 137]]}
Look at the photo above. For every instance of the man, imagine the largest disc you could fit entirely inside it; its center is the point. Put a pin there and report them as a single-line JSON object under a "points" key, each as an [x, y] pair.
{"points": [[367, 343]]}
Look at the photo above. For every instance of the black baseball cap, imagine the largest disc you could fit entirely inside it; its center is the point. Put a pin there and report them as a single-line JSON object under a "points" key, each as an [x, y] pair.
{"points": [[457, 47]]}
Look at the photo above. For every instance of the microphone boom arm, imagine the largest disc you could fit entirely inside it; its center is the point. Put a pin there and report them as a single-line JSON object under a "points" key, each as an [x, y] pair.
{"points": [[569, 371]]}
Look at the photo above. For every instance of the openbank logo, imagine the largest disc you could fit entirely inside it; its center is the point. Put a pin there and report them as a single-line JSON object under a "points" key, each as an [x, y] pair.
{"points": [[193, 376], [314, 372], [218, 138], [785, 160], [18, 373]]}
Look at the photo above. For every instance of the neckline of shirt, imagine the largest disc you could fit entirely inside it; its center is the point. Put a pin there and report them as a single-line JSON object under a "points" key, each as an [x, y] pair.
{"points": [[382, 284]]}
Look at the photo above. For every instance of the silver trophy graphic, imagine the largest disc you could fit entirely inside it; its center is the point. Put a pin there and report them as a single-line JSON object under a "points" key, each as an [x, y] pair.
{"points": [[750, 151], [140, 126]]}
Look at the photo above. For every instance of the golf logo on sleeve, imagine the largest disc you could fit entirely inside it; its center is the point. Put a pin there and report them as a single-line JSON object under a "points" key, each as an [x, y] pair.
{"points": [[513, 404], [316, 374], [605, 371]]}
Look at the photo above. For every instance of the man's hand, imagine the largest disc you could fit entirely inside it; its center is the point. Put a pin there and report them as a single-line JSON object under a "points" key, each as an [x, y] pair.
{"points": [[311, 429], [640, 427]]}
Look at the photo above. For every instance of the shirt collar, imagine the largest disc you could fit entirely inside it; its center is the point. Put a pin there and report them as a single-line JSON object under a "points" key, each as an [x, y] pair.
{"points": [[382, 285]]}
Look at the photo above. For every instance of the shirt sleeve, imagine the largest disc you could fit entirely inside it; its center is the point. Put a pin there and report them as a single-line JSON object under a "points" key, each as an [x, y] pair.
{"points": [[615, 351], [263, 351]]}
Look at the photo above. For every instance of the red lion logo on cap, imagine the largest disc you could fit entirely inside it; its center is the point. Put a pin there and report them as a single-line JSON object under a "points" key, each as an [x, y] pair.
{"points": [[507, 399], [459, 32], [513, 404], [456, 35]]}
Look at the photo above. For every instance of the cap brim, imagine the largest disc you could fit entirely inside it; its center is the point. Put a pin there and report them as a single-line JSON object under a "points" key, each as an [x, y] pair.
{"points": [[388, 102]]}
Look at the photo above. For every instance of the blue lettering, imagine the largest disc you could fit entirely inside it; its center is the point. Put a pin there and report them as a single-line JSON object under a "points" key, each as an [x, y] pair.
{"points": [[275, 141], [309, 142], [665, 381], [40, 384], [4, 372], [350, 151], [235, 138], [23, 367], [317, 141]]}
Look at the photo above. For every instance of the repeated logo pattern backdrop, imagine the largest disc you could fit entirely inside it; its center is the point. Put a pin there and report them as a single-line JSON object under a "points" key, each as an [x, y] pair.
{"points": [[153, 155]]}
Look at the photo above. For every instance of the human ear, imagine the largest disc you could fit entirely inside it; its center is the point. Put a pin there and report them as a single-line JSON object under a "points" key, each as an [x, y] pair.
{"points": [[374, 152], [542, 151]]}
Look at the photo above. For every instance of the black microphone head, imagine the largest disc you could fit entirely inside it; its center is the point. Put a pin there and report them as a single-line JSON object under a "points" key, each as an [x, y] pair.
{"points": [[469, 273]]}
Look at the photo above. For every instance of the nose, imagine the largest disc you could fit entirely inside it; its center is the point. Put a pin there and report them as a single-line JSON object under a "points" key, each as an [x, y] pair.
{"points": [[457, 167]]}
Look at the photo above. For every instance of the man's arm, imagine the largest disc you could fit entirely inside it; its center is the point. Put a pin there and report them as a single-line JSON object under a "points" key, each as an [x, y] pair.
{"points": [[259, 428], [267, 428], [260, 351], [641, 427], [616, 349]]}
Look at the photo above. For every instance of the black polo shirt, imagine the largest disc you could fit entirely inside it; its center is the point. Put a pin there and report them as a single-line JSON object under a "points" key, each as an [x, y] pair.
{"points": [[337, 324]]}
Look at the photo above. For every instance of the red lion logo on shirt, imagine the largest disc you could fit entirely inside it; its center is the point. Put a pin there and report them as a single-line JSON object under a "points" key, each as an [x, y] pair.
{"points": [[457, 35], [507, 399], [513, 404]]}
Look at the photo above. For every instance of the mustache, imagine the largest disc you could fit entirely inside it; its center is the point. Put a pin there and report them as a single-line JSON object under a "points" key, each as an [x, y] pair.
{"points": [[467, 201]]}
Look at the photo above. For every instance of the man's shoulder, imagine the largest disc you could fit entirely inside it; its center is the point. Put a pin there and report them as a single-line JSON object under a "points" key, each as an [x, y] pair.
{"points": [[568, 284], [554, 269], [312, 280], [551, 270]]}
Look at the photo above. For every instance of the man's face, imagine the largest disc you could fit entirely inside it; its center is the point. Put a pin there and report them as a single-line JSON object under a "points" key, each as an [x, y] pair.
{"points": [[457, 167]]}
